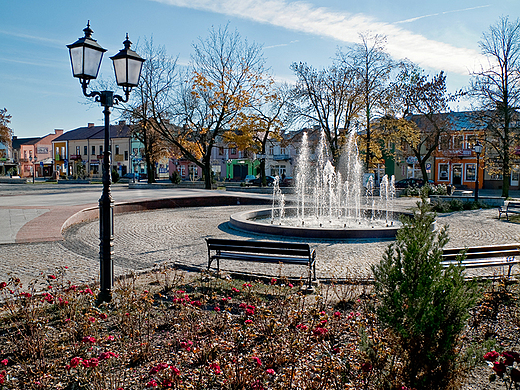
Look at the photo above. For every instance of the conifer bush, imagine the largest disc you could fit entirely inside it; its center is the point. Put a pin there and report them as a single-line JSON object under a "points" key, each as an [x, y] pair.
{"points": [[423, 306]]}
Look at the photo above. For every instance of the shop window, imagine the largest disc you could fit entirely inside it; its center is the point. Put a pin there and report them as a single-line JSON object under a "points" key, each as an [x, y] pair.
{"points": [[443, 172], [470, 172]]}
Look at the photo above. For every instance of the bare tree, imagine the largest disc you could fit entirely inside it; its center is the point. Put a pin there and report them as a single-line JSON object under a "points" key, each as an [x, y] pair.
{"points": [[225, 76], [329, 98], [419, 112], [372, 66], [150, 110], [496, 90]]}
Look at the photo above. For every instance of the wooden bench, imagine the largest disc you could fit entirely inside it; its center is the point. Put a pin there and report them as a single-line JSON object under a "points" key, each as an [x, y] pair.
{"points": [[484, 256], [511, 208], [263, 252]]}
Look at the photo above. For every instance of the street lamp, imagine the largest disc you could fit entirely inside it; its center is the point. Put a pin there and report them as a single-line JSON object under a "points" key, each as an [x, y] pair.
{"points": [[33, 165], [478, 150], [85, 58]]}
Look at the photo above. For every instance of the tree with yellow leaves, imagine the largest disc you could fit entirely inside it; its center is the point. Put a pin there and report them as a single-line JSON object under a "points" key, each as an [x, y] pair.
{"points": [[225, 78], [262, 122], [6, 133]]}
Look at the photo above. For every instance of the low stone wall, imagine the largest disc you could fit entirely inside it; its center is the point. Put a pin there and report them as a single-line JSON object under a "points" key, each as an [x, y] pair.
{"points": [[92, 213], [488, 200]]}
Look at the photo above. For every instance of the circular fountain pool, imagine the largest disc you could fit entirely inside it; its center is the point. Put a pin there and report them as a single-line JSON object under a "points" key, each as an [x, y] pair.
{"points": [[261, 222]]}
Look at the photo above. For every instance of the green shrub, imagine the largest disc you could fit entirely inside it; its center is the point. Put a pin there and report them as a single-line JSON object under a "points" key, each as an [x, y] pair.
{"points": [[423, 306], [175, 177], [456, 205]]}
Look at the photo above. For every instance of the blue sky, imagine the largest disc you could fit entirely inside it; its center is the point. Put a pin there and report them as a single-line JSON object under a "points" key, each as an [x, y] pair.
{"points": [[38, 90]]}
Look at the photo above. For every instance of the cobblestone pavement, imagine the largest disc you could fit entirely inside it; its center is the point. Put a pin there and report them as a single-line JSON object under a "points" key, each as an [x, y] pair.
{"points": [[176, 236]]}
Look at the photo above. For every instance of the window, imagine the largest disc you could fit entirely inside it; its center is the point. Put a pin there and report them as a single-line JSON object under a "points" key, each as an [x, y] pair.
{"points": [[77, 150], [471, 140], [233, 151], [443, 172], [100, 150], [85, 150], [117, 149], [93, 150], [221, 151], [25, 154], [470, 172], [126, 155], [457, 142], [282, 150], [271, 149]]}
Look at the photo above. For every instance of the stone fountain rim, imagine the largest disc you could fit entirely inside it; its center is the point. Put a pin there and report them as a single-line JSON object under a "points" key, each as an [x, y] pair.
{"points": [[242, 220]]}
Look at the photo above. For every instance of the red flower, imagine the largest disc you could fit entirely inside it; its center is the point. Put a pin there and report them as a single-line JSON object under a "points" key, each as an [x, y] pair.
{"points": [[103, 316], [273, 281], [52, 276], [216, 368], [248, 321], [491, 356], [236, 290], [257, 360], [217, 308], [75, 361], [337, 314], [270, 371], [499, 368], [318, 331], [366, 367], [2, 285], [4, 362], [93, 362], [511, 357], [152, 383], [197, 303], [90, 339]]}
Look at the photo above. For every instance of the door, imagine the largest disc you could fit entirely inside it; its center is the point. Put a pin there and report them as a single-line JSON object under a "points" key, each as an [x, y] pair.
{"points": [[457, 174]]}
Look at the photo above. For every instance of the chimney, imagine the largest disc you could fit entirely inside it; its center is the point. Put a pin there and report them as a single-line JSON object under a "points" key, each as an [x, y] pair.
{"points": [[58, 131], [90, 125], [122, 123]]}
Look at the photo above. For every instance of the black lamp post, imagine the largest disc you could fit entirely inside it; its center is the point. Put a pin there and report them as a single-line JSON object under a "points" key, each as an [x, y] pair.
{"points": [[85, 58], [478, 150], [33, 166]]}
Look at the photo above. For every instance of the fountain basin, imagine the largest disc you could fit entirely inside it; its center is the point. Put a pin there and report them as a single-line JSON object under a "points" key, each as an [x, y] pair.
{"points": [[259, 221]]}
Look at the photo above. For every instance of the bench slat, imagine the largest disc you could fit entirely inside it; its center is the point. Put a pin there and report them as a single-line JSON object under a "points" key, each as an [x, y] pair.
{"points": [[257, 244], [267, 259], [271, 251]]}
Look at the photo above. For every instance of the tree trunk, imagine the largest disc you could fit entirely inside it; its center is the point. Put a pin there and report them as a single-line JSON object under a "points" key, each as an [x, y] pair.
{"points": [[506, 176], [150, 169]]}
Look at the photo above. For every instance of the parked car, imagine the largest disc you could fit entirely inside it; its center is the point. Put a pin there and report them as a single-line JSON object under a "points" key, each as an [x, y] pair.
{"points": [[248, 179], [410, 182], [258, 181]]}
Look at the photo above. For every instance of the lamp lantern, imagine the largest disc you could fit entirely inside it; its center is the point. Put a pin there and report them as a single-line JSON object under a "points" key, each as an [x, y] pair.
{"points": [[85, 56], [127, 66]]}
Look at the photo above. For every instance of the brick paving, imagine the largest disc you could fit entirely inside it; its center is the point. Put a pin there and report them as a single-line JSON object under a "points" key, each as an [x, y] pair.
{"points": [[176, 237]]}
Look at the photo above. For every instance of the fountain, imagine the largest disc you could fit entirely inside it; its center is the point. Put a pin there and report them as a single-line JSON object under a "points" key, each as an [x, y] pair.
{"points": [[328, 202]]}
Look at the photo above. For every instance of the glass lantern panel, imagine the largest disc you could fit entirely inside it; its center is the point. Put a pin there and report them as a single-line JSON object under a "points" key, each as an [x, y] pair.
{"points": [[92, 62], [76, 59], [134, 71], [120, 70]]}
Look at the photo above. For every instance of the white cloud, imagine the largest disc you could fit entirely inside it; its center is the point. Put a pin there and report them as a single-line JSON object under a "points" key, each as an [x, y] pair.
{"points": [[344, 27]]}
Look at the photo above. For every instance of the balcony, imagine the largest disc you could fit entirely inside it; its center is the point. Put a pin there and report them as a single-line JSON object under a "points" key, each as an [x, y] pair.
{"points": [[75, 156], [280, 157]]}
